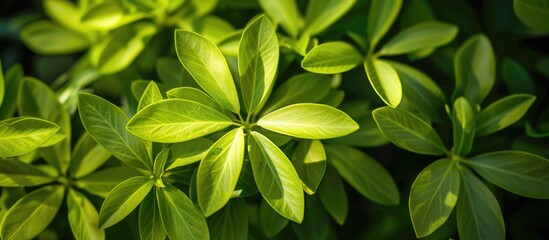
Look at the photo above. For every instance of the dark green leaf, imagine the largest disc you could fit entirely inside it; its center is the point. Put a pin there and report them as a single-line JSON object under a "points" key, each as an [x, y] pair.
{"points": [[381, 16], [231, 222], [420, 36], [519, 172], [478, 212], [433, 196], [150, 224], [14, 173], [309, 160], [83, 217], [333, 196], [365, 174], [408, 131], [474, 67]]}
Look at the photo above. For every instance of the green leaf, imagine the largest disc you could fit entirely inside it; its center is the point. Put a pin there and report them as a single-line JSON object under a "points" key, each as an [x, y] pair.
{"points": [[2, 84], [333, 196], [309, 120], [420, 36], [364, 173], [44, 104], [32, 213], [381, 16], [533, 13], [284, 12], [66, 13], [463, 122], [14, 173], [384, 80], [150, 223], [103, 16], [47, 38], [208, 67], [245, 187], [151, 95], [316, 224], [87, 156], [181, 219], [121, 48], [219, 170], [231, 222], [478, 212], [421, 91], [170, 72], [123, 199], [474, 66], [106, 123], [503, 113], [301, 88], [433, 196], [188, 152], [22, 135], [101, 183], [408, 131], [176, 120], [257, 62], [195, 95], [12, 82], [270, 220], [331, 58], [159, 166], [321, 14], [516, 77], [276, 178], [83, 217], [519, 172], [309, 160]]}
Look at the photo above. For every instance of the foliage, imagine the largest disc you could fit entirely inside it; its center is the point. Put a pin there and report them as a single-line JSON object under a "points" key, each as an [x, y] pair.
{"points": [[219, 119]]}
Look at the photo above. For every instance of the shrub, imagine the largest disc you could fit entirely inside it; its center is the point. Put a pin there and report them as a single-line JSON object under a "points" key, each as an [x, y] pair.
{"points": [[274, 119]]}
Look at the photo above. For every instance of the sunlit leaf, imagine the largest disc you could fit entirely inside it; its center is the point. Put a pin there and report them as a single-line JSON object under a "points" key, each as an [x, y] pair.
{"points": [[331, 58], [32, 213], [257, 62], [276, 178], [408, 131], [433, 196], [123, 199], [219, 170], [308, 120]]}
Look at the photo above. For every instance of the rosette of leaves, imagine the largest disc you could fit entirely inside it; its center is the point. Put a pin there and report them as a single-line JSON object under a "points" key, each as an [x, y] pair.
{"points": [[242, 127], [450, 183], [418, 39], [65, 172], [164, 209]]}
